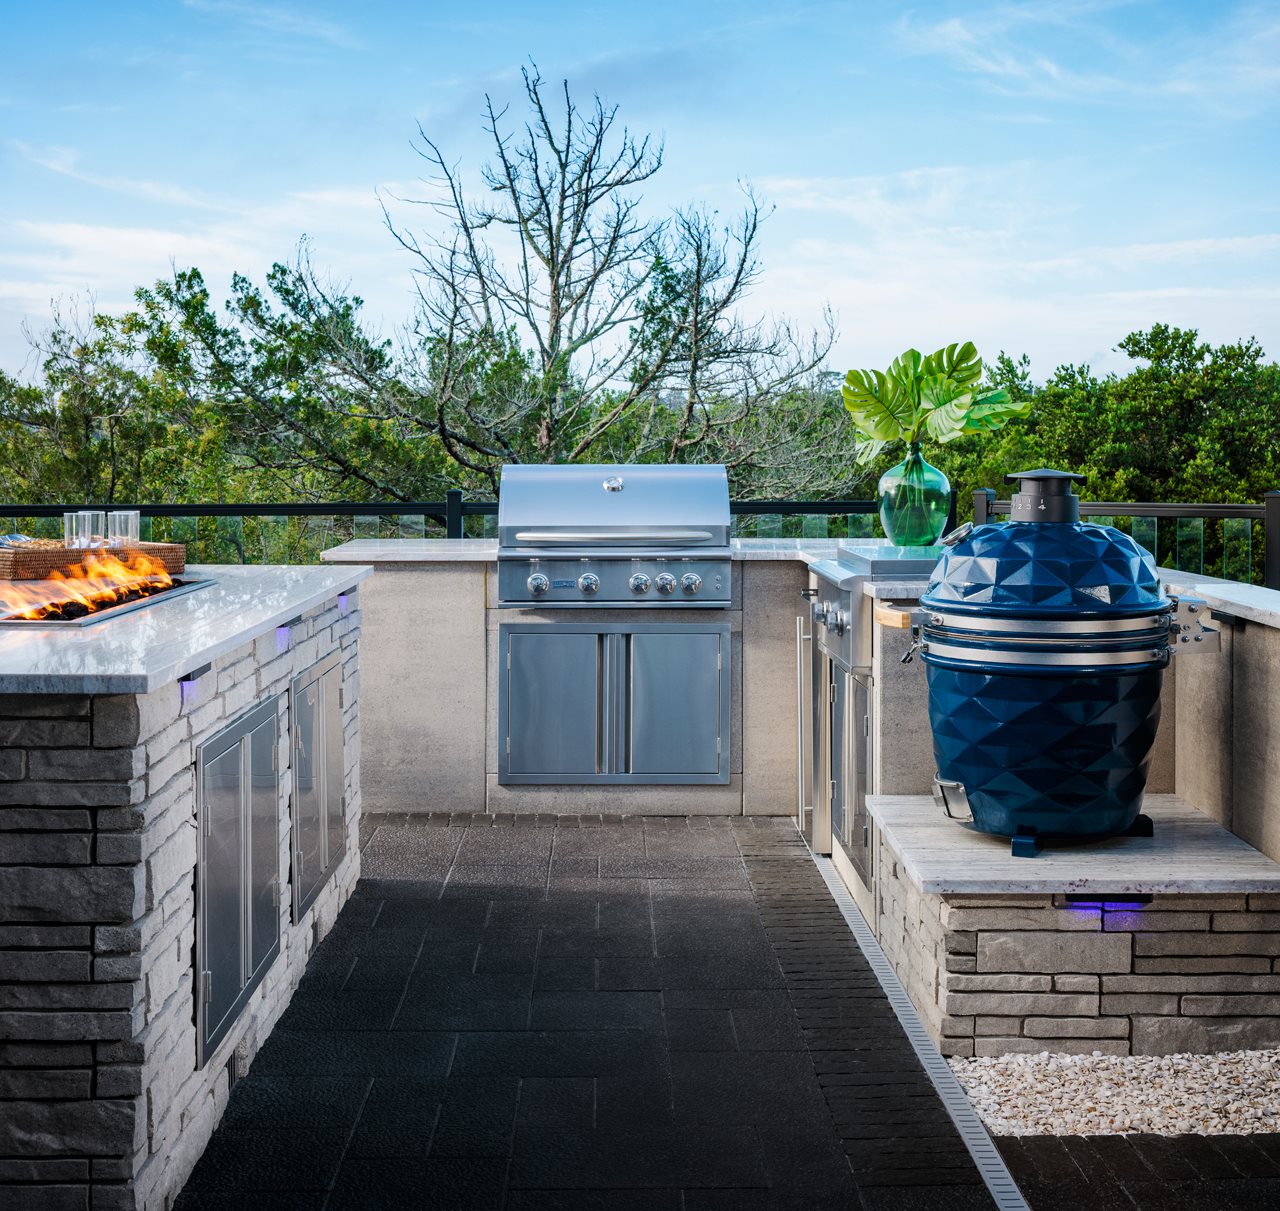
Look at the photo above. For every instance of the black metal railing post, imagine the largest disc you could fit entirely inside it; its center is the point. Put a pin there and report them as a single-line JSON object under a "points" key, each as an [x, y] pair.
{"points": [[1271, 537], [453, 513], [983, 501], [951, 513]]}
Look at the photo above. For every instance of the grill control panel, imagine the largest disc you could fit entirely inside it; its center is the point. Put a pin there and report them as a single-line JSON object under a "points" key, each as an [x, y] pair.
{"points": [[675, 582]]}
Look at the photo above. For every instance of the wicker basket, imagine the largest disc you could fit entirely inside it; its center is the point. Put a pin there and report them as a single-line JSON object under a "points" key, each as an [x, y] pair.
{"points": [[40, 560]]}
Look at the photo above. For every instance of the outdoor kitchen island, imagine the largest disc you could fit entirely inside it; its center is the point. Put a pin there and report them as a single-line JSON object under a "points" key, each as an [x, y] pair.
{"points": [[179, 800], [431, 663]]}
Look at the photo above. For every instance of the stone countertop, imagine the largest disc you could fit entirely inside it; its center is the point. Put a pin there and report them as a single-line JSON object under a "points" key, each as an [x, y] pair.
{"points": [[1189, 853], [147, 648], [1249, 601], [484, 550]]}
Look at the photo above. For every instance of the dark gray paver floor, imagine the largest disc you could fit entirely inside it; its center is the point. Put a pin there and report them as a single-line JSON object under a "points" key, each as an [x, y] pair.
{"points": [[1146, 1172], [582, 1014]]}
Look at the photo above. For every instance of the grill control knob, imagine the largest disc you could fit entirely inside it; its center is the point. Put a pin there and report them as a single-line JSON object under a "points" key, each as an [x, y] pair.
{"points": [[665, 583], [835, 620], [538, 584], [691, 582], [589, 582], [640, 583]]}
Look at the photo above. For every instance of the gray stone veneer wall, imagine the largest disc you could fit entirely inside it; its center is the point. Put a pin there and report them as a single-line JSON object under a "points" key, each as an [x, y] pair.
{"points": [[996, 974], [101, 1103]]}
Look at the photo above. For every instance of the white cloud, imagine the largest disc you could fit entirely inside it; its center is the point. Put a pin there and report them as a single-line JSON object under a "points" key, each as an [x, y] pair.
{"points": [[278, 20]]}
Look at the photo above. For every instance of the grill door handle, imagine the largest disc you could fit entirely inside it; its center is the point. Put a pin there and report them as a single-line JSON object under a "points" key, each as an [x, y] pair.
{"points": [[554, 538]]}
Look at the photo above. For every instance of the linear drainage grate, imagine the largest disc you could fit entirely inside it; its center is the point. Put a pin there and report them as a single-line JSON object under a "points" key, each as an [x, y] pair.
{"points": [[1004, 1190]]}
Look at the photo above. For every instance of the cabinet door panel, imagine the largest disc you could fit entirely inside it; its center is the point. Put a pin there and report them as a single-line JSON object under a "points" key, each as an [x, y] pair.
{"points": [[223, 883], [264, 846], [334, 768], [839, 751], [553, 708], [308, 791], [674, 704]]}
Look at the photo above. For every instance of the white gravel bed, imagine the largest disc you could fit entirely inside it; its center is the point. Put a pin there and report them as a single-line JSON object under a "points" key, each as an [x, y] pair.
{"points": [[1231, 1093]]}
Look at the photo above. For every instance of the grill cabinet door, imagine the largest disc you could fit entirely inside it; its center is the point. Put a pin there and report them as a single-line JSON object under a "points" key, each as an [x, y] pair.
{"points": [[319, 838], [335, 799], [263, 858], [308, 793], [222, 886], [237, 870], [552, 701], [613, 703], [674, 707], [858, 767], [838, 749]]}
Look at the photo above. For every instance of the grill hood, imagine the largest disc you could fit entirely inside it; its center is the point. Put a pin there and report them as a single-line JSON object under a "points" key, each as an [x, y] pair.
{"points": [[598, 505]]}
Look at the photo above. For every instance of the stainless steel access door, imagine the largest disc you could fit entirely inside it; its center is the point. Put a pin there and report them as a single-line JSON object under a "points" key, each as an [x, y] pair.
{"points": [[673, 709], [237, 869], [318, 805], [613, 703]]}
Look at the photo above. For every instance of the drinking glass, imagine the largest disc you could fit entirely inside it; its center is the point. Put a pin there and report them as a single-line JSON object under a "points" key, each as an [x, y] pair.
{"points": [[70, 530], [91, 528], [122, 528]]}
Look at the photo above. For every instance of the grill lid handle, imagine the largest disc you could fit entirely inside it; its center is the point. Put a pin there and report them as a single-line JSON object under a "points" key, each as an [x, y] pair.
{"points": [[560, 538], [1044, 495]]}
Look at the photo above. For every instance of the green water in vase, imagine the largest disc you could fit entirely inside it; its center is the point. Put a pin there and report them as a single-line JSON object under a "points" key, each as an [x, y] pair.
{"points": [[915, 499]]}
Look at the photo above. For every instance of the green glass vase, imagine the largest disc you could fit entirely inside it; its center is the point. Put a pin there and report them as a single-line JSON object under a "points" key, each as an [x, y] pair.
{"points": [[915, 499]]}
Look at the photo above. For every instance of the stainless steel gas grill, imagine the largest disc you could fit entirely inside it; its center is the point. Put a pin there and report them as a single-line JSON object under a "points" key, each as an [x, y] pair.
{"points": [[622, 698], [603, 535]]}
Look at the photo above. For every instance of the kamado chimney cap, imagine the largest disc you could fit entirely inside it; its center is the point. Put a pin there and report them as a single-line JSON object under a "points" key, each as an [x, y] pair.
{"points": [[1044, 495]]}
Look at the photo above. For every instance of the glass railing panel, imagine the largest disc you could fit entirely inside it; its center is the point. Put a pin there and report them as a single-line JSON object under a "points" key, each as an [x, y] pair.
{"points": [[411, 525], [228, 540], [814, 525], [1190, 545], [769, 525], [1237, 549], [1145, 532]]}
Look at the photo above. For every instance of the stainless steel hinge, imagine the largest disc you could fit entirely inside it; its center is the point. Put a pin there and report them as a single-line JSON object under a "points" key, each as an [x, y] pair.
{"points": [[508, 746], [275, 891], [866, 725], [342, 697], [275, 758], [831, 790], [298, 860], [508, 657], [719, 659], [831, 692], [866, 835], [206, 978]]}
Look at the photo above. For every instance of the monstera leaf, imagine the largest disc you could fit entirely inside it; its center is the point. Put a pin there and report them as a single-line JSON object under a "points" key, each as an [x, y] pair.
{"points": [[960, 363], [974, 412], [937, 394], [878, 404]]}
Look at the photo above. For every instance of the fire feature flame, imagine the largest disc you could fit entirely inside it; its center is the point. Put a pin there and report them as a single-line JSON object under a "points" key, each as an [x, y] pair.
{"points": [[102, 580]]}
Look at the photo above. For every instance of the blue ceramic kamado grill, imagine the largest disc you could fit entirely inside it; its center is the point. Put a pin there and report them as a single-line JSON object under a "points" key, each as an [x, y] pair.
{"points": [[1045, 642]]}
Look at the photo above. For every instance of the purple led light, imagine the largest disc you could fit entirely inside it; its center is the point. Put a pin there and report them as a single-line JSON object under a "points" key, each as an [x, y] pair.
{"points": [[188, 691], [344, 603], [282, 638]]}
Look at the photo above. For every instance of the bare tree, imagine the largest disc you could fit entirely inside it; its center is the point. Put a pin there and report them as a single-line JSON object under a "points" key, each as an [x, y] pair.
{"points": [[636, 347]]}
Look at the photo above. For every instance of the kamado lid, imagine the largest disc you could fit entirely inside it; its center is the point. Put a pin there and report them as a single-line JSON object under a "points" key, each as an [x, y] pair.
{"points": [[1056, 566]]}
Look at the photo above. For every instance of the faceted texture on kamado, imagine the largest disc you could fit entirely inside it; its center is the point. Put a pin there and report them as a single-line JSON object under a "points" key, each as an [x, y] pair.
{"points": [[1036, 570], [1049, 732], [1066, 756]]}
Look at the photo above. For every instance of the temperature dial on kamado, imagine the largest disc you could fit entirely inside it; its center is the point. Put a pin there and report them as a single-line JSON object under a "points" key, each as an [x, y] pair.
{"points": [[691, 582], [639, 583], [589, 582], [665, 583], [538, 584]]}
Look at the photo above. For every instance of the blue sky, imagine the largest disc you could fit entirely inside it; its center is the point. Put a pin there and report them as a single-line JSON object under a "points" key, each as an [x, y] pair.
{"points": [[1040, 177]]}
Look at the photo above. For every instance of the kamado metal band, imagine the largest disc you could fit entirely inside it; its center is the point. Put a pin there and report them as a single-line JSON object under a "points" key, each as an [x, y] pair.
{"points": [[1037, 658], [985, 623]]}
